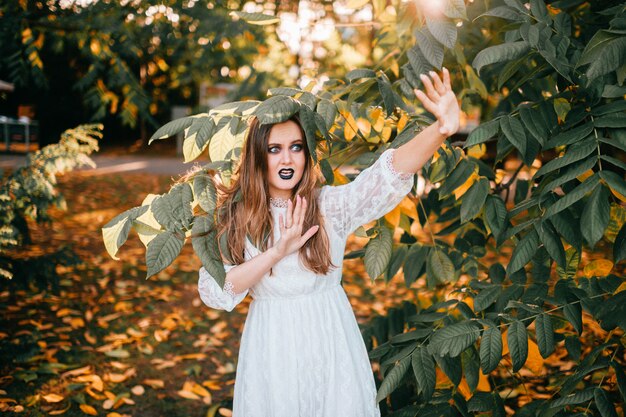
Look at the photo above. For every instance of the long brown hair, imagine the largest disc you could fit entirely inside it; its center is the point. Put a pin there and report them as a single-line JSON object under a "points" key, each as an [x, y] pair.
{"points": [[243, 208]]}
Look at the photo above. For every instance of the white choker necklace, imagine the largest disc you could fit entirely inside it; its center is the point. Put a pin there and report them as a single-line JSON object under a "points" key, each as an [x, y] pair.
{"points": [[278, 202]]}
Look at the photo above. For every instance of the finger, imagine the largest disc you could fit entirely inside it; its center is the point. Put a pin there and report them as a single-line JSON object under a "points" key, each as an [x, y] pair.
{"points": [[428, 86], [281, 222], [305, 204], [437, 82], [289, 220], [309, 233], [428, 104], [297, 212], [446, 78]]}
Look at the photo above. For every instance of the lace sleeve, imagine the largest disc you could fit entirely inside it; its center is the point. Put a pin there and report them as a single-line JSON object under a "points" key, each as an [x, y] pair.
{"points": [[213, 296], [372, 194]]}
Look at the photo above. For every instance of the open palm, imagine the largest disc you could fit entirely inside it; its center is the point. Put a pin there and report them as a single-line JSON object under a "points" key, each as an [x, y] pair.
{"points": [[440, 100]]}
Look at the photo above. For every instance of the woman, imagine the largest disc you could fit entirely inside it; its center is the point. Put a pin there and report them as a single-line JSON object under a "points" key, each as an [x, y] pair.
{"points": [[301, 351]]}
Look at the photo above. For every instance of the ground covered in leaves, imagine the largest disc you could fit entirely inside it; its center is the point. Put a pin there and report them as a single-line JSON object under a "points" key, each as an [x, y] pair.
{"points": [[108, 341]]}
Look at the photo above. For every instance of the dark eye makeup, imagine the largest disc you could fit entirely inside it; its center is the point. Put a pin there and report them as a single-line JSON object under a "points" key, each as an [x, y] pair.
{"points": [[296, 146]]}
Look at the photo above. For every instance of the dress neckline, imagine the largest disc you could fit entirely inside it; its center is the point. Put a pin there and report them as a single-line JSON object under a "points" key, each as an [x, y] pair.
{"points": [[278, 202]]}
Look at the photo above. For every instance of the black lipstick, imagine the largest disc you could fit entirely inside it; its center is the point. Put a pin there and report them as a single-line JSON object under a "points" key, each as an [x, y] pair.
{"points": [[286, 174]]}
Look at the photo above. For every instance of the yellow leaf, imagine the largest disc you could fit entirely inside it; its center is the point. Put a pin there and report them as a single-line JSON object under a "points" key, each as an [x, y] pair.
{"points": [[464, 389], [402, 122], [582, 177], [618, 195], [364, 126], [534, 362], [116, 377], [200, 390], [189, 395], [225, 412], [138, 390], [53, 398], [477, 151], [460, 191], [87, 409], [483, 383], [393, 216], [95, 47], [617, 220], [394, 67], [350, 127], [340, 179], [598, 268], [378, 118], [408, 207], [154, 383], [386, 133]]}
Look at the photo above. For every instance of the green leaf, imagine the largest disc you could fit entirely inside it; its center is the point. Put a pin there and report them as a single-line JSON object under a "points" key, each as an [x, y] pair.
{"points": [[161, 252], [204, 242], [573, 171], [572, 259], [486, 297], [490, 348], [328, 111], [205, 129], [616, 142], [610, 121], [419, 64], [440, 266], [276, 109], [424, 370], [463, 170], [483, 133], [545, 334], [443, 31], [500, 53], [536, 125], [452, 367], [415, 260], [471, 367], [523, 252], [387, 94], [173, 210], [260, 19], [596, 216], [616, 182], [432, 50], [594, 47], [619, 247], [621, 378], [172, 128], [609, 58], [570, 136], [576, 398], [378, 253], [551, 241], [393, 378], [503, 12], [115, 232], [573, 154], [307, 119], [398, 256], [455, 9], [453, 339], [517, 338], [474, 200], [205, 192], [606, 407], [359, 73], [495, 214], [514, 132], [573, 196]]}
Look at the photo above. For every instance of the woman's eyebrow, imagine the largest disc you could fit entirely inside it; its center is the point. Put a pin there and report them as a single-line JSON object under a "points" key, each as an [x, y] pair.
{"points": [[294, 141]]}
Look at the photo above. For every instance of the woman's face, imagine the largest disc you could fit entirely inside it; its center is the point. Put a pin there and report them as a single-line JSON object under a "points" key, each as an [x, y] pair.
{"points": [[285, 159]]}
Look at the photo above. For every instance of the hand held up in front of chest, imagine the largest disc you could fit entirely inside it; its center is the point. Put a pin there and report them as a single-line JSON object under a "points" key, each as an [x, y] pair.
{"points": [[291, 236]]}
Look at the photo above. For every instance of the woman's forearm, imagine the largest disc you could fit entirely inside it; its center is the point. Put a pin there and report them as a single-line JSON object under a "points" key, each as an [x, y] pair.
{"points": [[412, 156], [247, 274]]}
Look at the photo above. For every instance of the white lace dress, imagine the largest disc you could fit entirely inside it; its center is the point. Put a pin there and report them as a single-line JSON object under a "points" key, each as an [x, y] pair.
{"points": [[302, 353]]}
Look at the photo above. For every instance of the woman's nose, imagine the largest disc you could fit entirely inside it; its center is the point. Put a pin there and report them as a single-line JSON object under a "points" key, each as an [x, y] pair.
{"points": [[285, 156]]}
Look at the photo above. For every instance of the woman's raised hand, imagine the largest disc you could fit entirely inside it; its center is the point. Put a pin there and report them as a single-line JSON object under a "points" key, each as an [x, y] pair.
{"points": [[440, 100], [291, 237]]}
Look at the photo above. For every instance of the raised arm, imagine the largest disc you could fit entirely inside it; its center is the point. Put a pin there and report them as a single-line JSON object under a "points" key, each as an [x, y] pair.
{"points": [[440, 100]]}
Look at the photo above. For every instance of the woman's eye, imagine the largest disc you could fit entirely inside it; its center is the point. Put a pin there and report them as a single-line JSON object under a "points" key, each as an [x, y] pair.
{"points": [[297, 147], [273, 149]]}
